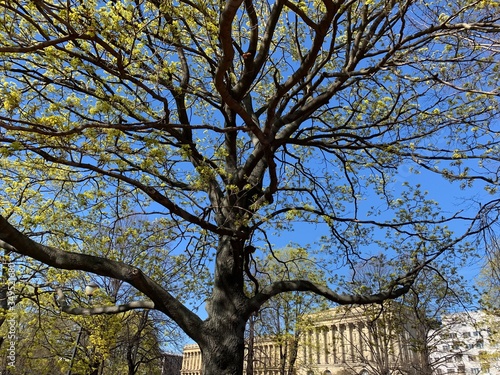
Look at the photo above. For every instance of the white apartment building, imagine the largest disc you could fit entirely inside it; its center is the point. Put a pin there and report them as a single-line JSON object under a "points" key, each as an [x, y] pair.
{"points": [[464, 345]]}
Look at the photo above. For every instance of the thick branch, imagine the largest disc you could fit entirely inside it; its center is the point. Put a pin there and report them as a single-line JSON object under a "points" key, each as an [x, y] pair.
{"points": [[4, 245], [396, 289], [54, 257], [63, 304]]}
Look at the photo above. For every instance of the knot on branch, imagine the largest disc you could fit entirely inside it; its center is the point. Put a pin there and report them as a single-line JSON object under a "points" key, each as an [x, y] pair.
{"points": [[134, 274]]}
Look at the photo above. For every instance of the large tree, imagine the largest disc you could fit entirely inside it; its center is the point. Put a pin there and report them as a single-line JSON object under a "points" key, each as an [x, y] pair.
{"points": [[235, 120]]}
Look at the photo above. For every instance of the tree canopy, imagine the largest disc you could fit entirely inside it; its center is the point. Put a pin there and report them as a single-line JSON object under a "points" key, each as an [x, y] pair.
{"points": [[224, 124]]}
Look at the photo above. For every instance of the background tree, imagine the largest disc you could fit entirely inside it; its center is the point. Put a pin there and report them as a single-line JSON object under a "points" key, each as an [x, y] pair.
{"points": [[489, 286], [283, 320], [414, 322], [131, 343], [118, 344], [489, 281], [236, 121]]}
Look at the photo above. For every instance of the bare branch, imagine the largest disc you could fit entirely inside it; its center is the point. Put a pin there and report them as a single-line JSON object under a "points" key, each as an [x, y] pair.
{"points": [[396, 289], [40, 45], [98, 310]]}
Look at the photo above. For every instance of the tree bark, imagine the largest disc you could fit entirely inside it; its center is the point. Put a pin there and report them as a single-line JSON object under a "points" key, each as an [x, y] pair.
{"points": [[223, 351], [251, 340], [222, 341], [222, 344], [294, 350]]}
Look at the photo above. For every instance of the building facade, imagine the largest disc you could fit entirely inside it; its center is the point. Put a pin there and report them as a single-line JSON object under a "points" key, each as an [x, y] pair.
{"points": [[340, 341], [171, 364], [191, 360], [465, 345]]}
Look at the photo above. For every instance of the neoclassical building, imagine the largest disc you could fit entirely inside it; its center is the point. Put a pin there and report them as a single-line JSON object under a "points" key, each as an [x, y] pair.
{"points": [[340, 341], [191, 360]]}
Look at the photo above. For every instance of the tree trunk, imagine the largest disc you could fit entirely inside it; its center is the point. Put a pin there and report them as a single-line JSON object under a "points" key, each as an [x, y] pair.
{"points": [[250, 351], [222, 341], [294, 350], [223, 353]]}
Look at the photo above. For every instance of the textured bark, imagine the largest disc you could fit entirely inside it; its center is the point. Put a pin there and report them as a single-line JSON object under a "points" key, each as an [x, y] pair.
{"points": [[224, 350], [222, 340], [251, 341]]}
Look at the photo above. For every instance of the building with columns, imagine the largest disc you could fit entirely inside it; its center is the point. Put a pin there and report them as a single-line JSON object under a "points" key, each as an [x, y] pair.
{"points": [[191, 360], [339, 341], [361, 340]]}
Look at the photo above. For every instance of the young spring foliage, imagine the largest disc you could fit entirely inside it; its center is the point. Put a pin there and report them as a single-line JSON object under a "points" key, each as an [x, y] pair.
{"points": [[236, 124]]}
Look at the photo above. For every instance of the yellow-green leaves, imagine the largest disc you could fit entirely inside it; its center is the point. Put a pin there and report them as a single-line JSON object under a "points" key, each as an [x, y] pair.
{"points": [[10, 96]]}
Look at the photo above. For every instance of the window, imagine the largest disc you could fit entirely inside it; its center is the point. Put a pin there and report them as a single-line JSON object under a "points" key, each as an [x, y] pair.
{"points": [[480, 344], [466, 334]]}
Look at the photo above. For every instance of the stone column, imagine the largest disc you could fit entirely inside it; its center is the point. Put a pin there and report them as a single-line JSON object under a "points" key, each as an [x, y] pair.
{"points": [[343, 343], [317, 344], [365, 342], [351, 342], [359, 333], [309, 359], [325, 344], [334, 331]]}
